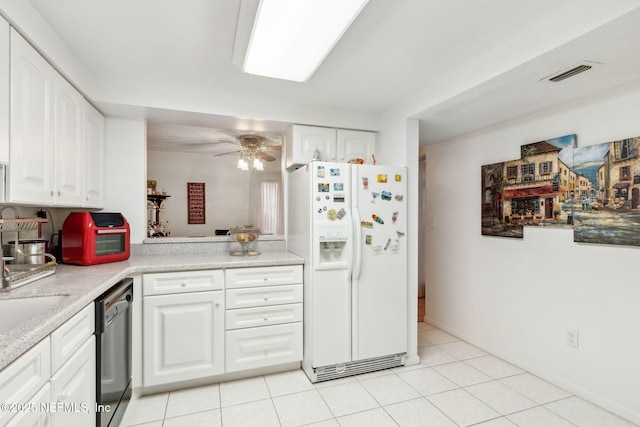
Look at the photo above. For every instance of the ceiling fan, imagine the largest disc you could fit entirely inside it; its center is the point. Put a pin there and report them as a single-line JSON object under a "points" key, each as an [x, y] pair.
{"points": [[251, 151], [251, 145]]}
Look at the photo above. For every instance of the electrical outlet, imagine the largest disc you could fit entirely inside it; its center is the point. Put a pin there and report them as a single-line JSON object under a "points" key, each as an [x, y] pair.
{"points": [[572, 337]]}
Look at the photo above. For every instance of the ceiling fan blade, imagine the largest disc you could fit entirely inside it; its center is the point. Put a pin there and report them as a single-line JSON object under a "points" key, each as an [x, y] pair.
{"points": [[228, 152], [271, 147], [265, 156]]}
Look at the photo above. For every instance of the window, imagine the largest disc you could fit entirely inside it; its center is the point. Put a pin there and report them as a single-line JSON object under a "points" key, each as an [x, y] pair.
{"points": [[545, 168], [528, 172], [525, 206], [623, 149], [269, 207], [625, 173], [512, 172]]}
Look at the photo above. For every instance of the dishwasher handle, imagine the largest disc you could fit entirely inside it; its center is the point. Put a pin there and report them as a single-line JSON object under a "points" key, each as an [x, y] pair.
{"points": [[116, 310]]}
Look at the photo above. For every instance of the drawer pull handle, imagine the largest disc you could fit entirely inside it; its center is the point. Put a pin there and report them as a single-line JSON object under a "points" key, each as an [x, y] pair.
{"points": [[265, 318], [266, 297], [184, 285], [265, 278]]}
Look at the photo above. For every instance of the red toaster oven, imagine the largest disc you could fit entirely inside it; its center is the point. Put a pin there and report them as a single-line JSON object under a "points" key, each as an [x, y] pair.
{"points": [[90, 238]]}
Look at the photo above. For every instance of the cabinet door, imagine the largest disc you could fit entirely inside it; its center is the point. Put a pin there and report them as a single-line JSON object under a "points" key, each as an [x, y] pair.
{"points": [[94, 176], [303, 141], [184, 337], [354, 144], [74, 388], [4, 91], [68, 144], [37, 416], [32, 119]]}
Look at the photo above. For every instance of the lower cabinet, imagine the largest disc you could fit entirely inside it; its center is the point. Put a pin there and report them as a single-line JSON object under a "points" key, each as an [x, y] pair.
{"points": [[54, 383], [183, 323], [199, 324], [183, 337]]}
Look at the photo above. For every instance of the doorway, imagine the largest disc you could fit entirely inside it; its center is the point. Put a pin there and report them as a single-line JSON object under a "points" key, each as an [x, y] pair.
{"points": [[422, 211]]}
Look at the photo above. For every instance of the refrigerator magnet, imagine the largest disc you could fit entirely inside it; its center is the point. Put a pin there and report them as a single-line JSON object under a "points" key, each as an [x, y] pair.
{"points": [[374, 196], [338, 199], [320, 171], [377, 250], [332, 214], [400, 234], [394, 217], [385, 195], [367, 239], [366, 224], [334, 172], [399, 197], [398, 177], [341, 212], [365, 183], [377, 219], [323, 187], [387, 245], [382, 178], [338, 186]]}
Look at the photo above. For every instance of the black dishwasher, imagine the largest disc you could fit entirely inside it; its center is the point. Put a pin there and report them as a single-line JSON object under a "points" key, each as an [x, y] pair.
{"points": [[113, 353]]}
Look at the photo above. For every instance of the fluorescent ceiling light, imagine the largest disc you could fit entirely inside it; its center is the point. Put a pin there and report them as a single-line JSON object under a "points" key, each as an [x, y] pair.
{"points": [[290, 38]]}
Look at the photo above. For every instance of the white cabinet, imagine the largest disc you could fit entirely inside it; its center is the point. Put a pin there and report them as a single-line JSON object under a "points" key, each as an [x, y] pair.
{"points": [[32, 124], [333, 145], [263, 317], [56, 378], [94, 176], [355, 144], [4, 90], [68, 144], [73, 388], [184, 328], [24, 377], [56, 154]]}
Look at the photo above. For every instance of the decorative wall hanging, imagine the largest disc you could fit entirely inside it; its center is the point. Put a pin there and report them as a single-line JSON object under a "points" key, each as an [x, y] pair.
{"points": [[196, 202], [532, 190], [607, 206], [594, 189]]}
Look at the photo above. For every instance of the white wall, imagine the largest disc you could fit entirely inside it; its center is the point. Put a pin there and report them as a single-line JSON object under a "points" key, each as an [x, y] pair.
{"points": [[516, 298], [227, 190], [397, 145], [126, 155]]}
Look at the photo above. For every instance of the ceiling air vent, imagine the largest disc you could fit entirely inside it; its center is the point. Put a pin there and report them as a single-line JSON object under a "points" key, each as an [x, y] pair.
{"points": [[570, 73]]}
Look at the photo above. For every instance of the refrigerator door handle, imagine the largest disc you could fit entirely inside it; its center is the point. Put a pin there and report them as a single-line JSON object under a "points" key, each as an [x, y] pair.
{"points": [[357, 244]]}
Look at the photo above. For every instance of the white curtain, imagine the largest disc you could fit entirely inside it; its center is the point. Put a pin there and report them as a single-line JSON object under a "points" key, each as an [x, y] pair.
{"points": [[269, 207]]}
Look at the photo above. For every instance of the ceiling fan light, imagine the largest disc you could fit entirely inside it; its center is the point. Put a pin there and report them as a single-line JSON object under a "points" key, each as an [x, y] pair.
{"points": [[243, 165], [257, 164]]}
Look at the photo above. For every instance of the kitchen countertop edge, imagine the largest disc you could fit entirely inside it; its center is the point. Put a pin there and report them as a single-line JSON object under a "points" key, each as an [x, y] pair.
{"points": [[84, 284]]}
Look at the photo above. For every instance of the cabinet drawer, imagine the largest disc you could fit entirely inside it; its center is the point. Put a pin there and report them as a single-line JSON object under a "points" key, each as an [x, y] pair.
{"points": [[20, 381], [69, 337], [263, 316], [263, 276], [265, 346], [263, 296], [182, 282]]}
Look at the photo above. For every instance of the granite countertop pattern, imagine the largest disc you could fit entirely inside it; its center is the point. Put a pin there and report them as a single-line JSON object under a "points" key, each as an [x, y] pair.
{"points": [[83, 284]]}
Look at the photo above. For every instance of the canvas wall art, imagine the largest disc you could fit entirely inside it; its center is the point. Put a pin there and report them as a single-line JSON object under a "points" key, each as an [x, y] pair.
{"points": [[595, 190], [533, 190]]}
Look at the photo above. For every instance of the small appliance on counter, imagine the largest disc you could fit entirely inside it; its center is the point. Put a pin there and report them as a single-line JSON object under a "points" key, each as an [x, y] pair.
{"points": [[246, 237], [90, 238]]}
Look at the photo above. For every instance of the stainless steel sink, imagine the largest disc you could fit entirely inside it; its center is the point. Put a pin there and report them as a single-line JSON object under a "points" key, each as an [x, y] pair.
{"points": [[13, 312]]}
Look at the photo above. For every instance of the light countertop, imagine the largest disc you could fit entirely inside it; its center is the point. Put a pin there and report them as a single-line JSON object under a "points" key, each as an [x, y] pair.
{"points": [[83, 284]]}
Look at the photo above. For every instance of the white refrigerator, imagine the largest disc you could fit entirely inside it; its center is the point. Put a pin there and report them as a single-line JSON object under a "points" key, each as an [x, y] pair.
{"points": [[349, 224]]}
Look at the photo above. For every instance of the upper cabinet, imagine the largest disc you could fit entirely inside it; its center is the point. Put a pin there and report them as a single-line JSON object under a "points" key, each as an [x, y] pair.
{"points": [[4, 91], [94, 192], [332, 145], [32, 125], [57, 138]]}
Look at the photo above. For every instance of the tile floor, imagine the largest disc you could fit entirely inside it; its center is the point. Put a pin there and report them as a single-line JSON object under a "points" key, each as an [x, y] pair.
{"points": [[456, 384]]}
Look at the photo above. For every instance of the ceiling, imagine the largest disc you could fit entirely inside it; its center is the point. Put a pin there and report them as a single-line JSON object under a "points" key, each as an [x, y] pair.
{"points": [[457, 66]]}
